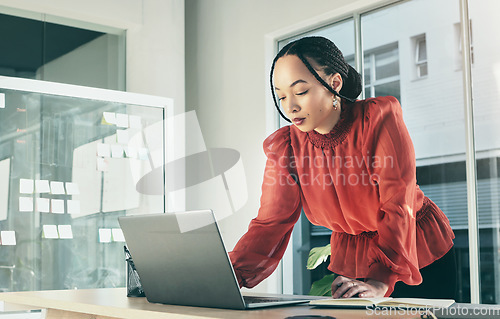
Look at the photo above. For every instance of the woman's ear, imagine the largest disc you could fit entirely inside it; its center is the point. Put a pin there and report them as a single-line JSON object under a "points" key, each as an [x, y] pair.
{"points": [[336, 82]]}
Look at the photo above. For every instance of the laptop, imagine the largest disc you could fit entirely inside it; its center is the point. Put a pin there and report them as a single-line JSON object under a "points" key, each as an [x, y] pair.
{"points": [[181, 260]]}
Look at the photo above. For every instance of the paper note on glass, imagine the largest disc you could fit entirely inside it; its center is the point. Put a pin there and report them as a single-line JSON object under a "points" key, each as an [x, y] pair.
{"points": [[105, 235], [43, 205], [8, 237], [121, 120], [117, 234], [103, 150], [134, 121], [26, 186], [25, 204], [42, 186], [108, 118], [73, 206], [143, 153], [130, 152], [57, 206], [72, 188], [102, 164], [116, 151], [65, 231], [50, 231], [122, 136], [57, 188]]}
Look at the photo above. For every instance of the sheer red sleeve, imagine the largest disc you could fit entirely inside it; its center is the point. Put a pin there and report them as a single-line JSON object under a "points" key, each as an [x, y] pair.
{"points": [[393, 253], [258, 252]]}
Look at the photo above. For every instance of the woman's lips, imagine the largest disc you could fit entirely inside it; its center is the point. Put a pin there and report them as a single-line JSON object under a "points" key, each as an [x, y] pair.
{"points": [[298, 120]]}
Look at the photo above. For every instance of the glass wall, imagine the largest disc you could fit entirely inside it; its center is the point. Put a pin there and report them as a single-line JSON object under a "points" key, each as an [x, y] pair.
{"points": [[421, 64], [68, 168], [485, 67], [44, 47]]}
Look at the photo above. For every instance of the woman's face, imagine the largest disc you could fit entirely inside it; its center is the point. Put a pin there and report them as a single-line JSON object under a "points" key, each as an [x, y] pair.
{"points": [[304, 100]]}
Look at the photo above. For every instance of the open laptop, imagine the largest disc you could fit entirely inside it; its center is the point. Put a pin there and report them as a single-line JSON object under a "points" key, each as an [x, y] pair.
{"points": [[181, 260]]}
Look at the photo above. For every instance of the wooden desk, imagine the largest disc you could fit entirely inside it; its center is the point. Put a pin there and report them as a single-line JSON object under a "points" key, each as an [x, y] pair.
{"points": [[113, 303]]}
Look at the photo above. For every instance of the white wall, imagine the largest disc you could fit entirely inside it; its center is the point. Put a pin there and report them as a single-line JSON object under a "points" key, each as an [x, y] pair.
{"points": [[228, 53], [155, 37]]}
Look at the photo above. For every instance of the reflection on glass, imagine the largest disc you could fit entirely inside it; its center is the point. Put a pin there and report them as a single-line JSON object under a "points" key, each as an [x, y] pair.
{"points": [[432, 106], [46, 49], [59, 199]]}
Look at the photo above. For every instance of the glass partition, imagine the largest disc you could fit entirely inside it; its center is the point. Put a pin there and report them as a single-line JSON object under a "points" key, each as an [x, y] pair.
{"points": [[69, 166], [485, 67]]}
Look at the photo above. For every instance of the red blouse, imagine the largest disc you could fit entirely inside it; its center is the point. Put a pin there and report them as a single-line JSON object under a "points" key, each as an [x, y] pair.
{"points": [[359, 180]]}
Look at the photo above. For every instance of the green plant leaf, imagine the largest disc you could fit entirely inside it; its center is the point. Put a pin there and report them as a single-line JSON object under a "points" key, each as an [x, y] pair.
{"points": [[322, 287], [317, 256]]}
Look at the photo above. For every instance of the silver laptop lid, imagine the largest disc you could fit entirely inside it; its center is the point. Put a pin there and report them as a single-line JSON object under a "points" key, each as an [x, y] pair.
{"points": [[181, 259]]}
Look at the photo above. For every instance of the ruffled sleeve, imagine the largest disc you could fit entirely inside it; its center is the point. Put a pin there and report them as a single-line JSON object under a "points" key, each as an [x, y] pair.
{"points": [[258, 252], [393, 254]]}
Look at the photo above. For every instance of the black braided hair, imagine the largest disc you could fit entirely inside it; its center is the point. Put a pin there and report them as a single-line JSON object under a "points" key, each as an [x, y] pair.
{"points": [[329, 58]]}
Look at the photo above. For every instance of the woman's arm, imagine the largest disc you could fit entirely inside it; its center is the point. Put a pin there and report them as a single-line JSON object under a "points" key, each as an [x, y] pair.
{"points": [[258, 252], [393, 253]]}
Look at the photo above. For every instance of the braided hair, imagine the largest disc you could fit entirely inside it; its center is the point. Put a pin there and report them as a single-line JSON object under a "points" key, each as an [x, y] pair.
{"points": [[329, 58]]}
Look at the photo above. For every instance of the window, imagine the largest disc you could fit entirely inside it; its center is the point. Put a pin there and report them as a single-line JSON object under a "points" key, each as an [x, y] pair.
{"points": [[394, 44], [421, 56], [381, 72], [459, 44]]}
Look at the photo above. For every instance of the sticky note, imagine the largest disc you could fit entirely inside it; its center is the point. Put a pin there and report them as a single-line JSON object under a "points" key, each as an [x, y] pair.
{"points": [[122, 136], [103, 150], [130, 152], [43, 205], [57, 188], [2, 100], [42, 186], [72, 188], [57, 206], [121, 120], [117, 235], [25, 204], [104, 235], [116, 151], [65, 231], [143, 153], [73, 206], [26, 186], [134, 121], [8, 237], [50, 231], [102, 164], [108, 118]]}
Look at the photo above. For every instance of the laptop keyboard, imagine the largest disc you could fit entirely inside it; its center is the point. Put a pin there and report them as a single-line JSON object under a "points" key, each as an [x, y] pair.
{"points": [[254, 299]]}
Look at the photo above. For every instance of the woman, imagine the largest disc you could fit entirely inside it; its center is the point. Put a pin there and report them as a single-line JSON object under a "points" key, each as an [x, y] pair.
{"points": [[350, 165]]}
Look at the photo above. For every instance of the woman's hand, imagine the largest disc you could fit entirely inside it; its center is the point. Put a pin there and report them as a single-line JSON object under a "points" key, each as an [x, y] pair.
{"points": [[346, 287]]}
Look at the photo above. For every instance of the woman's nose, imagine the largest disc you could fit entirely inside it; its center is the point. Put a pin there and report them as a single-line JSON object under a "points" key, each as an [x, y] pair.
{"points": [[290, 106]]}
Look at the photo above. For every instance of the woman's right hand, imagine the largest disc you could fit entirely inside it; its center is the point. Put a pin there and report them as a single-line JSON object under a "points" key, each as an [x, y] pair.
{"points": [[344, 287]]}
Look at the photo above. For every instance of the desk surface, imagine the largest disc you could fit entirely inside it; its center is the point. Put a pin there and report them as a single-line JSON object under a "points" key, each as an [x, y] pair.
{"points": [[113, 303]]}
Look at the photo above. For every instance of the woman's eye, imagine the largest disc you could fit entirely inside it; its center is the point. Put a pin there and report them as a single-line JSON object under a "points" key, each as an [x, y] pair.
{"points": [[302, 93], [281, 98]]}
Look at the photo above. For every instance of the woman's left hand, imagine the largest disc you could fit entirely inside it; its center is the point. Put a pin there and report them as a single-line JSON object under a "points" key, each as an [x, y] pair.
{"points": [[346, 287]]}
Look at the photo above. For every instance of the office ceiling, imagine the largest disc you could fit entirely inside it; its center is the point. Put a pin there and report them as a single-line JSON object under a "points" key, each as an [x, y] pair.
{"points": [[28, 44]]}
